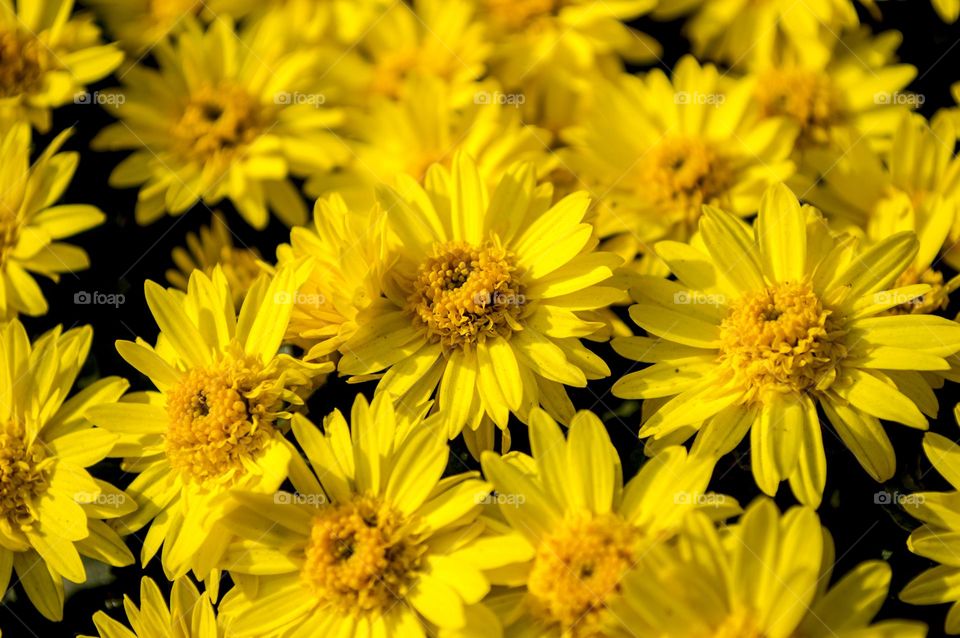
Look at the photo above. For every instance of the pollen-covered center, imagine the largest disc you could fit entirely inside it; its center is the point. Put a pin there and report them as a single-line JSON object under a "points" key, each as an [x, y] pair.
{"points": [[515, 15], [577, 569], [24, 475], [9, 231], [681, 174], [23, 60], [465, 293], [809, 98], [360, 556], [217, 123], [781, 339], [218, 418]]}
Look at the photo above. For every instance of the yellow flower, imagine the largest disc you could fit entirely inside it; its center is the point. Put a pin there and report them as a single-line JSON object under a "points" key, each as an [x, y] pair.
{"points": [[766, 576], [47, 57], [30, 223], [936, 539], [486, 296], [761, 327], [581, 529], [215, 421], [50, 506], [212, 247], [374, 542], [348, 249], [408, 135], [226, 115], [915, 187], [654, 151], [189, 615]]}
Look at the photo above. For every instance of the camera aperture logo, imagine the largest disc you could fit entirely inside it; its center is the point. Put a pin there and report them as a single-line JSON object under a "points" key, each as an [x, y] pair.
{"points": [[97, 298]]}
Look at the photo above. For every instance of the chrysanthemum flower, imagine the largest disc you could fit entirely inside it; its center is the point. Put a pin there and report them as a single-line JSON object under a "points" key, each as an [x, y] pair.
{"points": [[189, 615], [939, 537], [212, 247], [655, 150], [51, 508], [348, 251], [408, 135], [214, 423], [486, 296], [374, 543], [47, 57], [767, 576], [743, 33], [226, 115], [915, 187], [30, 223], [762, 327], [582, 529]]}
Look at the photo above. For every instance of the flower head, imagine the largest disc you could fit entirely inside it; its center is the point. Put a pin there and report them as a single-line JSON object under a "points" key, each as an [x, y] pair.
{"points": [[190, 614]]}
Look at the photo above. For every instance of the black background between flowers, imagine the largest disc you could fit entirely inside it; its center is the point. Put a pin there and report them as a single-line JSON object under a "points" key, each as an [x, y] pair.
{"points": [[123, 255]]}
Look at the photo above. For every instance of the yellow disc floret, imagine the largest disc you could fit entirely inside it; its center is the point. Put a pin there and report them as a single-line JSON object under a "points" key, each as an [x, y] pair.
{"points": [[807, 97], [361, 556], [24, 475], [23, 60], [217, 123], [781, 339], [683, 174]]}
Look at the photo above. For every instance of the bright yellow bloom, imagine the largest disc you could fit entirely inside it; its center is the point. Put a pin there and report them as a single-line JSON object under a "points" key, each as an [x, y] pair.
{"points": [[227, 115], [487, 296], [915, 187], [374, 543], [212, 247], [767, 576], [581, 529], [47, 57], [50, 506], [407, 136], [949, 10], [30, 223], [762, 326], [189, 615], [654, 151], [937, 538], [215, 421]]}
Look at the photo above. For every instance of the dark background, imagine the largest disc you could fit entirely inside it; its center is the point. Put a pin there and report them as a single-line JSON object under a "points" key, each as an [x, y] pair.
{"points": [[123, 255]]}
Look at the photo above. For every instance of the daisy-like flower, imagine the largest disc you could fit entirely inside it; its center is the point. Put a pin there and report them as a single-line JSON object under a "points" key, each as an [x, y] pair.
{"points": [[374, 543], [655, 151], [214, 423], [582, 529], [747, 34], [190, 614], [47, 57], [762, 327], [915, 187], [214, 246], [51, 508], [30, 223], [408, 135], [486, 296], [226, 116], [767, 576], [937, 538], [348, 251]]}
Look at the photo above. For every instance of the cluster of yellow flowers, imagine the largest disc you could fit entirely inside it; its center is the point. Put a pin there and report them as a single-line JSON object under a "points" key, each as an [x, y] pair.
{"points": [[495, 193]]}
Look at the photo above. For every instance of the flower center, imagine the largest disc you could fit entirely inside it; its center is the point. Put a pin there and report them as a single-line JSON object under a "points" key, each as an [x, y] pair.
{"points": [[807, 97], [23, 59], [515, 15], [218, 123], [24, 474], [683, 174], [219, 418], [360, 556], [577, 569], [9, 231], [781, 339], [465, 294]]}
